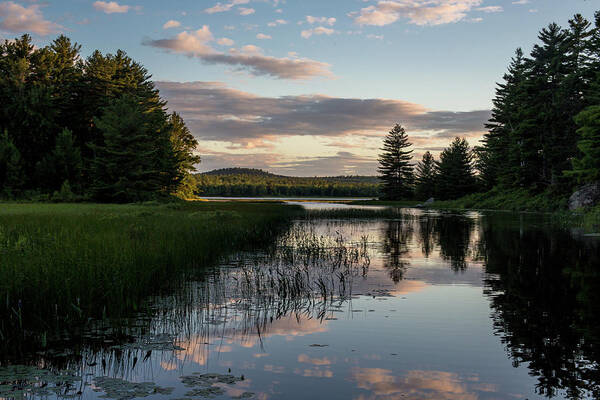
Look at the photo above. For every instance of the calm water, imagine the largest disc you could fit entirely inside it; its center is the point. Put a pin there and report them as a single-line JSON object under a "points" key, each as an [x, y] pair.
{"points": [[421, 306]]}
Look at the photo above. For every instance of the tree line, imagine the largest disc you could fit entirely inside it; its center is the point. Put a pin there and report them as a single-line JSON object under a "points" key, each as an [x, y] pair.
{"points": [[256, 183], [92, 128], [544, 133]]}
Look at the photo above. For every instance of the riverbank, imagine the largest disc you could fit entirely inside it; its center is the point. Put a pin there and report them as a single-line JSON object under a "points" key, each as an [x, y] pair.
{"points": [[511, 200], [65, 263]]}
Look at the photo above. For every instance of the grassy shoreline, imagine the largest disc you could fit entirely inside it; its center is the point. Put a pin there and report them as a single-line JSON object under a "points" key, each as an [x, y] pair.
{"points": [[511, 201], [64, 263]]}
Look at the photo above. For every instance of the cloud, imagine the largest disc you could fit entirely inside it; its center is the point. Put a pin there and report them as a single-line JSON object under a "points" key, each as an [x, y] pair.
{"points": [[171, 24], [277, 22], [521, 2], [491, 9], [320, 20], [422, 385], [17, 18], [225, 42], [214, 111], [220, 7], [246, 11], [197, 44], [110, 7], [418, 12], [262, 36], [321, 30]]}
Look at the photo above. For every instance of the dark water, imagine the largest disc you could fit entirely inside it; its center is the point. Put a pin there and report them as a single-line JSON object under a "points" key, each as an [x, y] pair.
{"points": [[422, 306]]}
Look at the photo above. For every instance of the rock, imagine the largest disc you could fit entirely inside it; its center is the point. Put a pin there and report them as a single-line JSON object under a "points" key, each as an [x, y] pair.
{"points": [[586, 196], [428, 202]]}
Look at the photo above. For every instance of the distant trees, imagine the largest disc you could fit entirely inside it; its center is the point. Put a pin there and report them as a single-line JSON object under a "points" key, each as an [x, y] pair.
{"points": [[253, 182], [96, 126], [451, 177], [395, 168]]}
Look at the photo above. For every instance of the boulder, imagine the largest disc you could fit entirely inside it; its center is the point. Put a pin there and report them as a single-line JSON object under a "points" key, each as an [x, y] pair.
{"points": [[586, 196]]}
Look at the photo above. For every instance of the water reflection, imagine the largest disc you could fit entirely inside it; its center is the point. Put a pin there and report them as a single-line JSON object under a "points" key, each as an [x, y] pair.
{"points": [[421, 306]]}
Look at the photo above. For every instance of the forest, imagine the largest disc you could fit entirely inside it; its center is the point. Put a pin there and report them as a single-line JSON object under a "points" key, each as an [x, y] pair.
{"points": [[543, 137], [255, 182], [86, 129]]}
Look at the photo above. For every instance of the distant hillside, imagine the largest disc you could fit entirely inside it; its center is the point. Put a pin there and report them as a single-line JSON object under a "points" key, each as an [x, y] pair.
{"points": [[256, 182], [239, 171], [260, 172]]}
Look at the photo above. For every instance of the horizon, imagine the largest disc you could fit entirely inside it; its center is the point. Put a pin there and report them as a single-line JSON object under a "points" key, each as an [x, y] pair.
{"points": [[279, 86]]}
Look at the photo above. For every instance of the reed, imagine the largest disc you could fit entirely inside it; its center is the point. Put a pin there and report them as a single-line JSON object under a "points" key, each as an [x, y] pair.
{"points": [[63, 264]]}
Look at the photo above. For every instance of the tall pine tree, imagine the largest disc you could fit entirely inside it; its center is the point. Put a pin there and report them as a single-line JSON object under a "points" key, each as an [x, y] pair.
{"points": [[426, 177], [394, 165]]}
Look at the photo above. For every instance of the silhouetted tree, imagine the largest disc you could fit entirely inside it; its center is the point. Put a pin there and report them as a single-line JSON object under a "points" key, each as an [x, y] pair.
{"points": [[426, 177], [394, 165], [455, 176]]}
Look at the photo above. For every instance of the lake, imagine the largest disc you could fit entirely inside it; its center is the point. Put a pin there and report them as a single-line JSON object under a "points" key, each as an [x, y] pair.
{"points": [[417, 304]]}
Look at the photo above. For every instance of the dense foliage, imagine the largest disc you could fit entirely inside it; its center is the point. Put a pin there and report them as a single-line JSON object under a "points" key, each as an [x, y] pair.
{"points": [[95, 127], [543, 134], [254, 182]]}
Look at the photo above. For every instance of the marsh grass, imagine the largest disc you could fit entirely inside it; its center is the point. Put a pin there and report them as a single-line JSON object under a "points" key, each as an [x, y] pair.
{"points": [[63, 264]]}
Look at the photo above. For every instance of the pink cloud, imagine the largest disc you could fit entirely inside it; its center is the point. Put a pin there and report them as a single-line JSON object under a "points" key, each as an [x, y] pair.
{"points": [[418, 12], [17, 18], [110, 7], [197, 44]]}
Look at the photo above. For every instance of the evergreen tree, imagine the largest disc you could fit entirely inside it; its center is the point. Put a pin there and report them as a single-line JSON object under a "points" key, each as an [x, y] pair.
{"points": [[426, 177], [135, 161], [394, 165], [11, 173], [455, 176], [183, 144], [587, 168], [500, 156], [64, 163]]}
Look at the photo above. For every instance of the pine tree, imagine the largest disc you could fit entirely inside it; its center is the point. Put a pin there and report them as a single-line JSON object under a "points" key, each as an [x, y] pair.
{"points": [[183, 144], [11, 172], [455, 171], [64, 163], [395, 168], [587, 168], [426, 177], [135, 161], [500, 156]]}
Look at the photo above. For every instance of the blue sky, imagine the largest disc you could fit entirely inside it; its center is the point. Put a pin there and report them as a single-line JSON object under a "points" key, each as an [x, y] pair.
{"points": [[308, 87]]}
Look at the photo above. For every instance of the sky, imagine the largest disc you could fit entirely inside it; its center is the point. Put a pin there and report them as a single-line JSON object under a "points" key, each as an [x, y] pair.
{"points": [[308, 87]]}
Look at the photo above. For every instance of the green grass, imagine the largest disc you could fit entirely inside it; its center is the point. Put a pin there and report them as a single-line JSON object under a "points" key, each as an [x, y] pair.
{"points": [[509, 200], [61, 264]]}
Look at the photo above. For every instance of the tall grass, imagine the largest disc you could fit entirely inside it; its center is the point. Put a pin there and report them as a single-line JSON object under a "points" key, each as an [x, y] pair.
{"points": [[509, 200], [61, 264]]}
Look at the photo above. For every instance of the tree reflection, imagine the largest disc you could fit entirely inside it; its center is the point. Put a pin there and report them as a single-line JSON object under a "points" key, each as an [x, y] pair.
{"points": [[454, 237], [397, 237], [544, 291]]}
